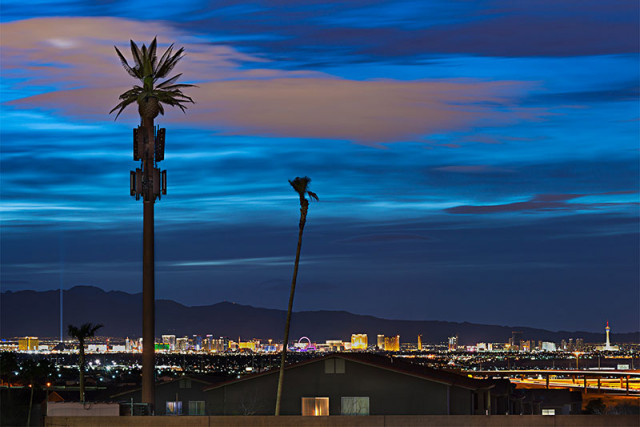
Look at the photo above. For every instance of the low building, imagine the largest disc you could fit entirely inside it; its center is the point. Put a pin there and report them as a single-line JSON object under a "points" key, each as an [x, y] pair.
{"points": [[359, 384], [180, 396], [537, 401]]}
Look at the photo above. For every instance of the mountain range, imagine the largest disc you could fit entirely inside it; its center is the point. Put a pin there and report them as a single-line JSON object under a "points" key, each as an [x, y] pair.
{"points": [[38, 314]]}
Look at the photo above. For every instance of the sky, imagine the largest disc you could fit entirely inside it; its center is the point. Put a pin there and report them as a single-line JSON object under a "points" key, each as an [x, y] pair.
{"points": [[475, 161]]}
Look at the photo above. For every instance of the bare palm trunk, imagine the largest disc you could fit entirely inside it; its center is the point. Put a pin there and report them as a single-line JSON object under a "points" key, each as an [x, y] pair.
{"points": [[81, 333], [81, 368], [303, 218], [148, 287]]}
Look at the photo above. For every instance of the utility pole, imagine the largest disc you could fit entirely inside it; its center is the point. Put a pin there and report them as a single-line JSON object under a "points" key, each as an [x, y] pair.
{"points": [[149, 183]]}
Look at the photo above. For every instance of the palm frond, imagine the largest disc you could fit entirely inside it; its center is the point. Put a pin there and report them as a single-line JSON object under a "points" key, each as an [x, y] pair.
{"points": [[166, 83], [165, 68], [73, 331], [178, 86], [163, 58], [134, 91], [131, 71], [137, 55], [300, 185], [152, 52], [148, 69], [85, 330], [124, 104], [94, 328]]}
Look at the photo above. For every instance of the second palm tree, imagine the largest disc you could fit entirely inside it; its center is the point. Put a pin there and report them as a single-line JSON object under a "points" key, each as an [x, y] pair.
{"points": [[300, 185], [81, 334]]}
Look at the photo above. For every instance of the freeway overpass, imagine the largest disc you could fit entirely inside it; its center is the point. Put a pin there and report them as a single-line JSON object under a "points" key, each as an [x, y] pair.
{"points": [[627, 381]]}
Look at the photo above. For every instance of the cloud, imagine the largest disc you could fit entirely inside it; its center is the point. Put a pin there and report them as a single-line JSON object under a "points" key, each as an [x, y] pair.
{"points": [[267, 261], [383, 238], [514, 36], [619, 93], [78, 52], [474, 169], [372, 30], [375, 111], [237, 96], [539, 203], [384, 31], [262, 261]]}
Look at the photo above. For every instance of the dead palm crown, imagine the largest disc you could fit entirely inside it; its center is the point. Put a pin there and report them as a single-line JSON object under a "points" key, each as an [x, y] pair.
{"points": [[300, 186], [149, 69]]}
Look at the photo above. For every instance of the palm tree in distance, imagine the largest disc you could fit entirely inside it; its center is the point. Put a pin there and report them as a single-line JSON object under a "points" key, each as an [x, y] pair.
{"points": [[300, 185], [150, 97], [81, 334]]}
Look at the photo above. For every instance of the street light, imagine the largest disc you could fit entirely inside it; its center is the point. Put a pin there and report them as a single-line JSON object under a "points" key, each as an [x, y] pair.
{"points": [[48, 388], [577, 354]]}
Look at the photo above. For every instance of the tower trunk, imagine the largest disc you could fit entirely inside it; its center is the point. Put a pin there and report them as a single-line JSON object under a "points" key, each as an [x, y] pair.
{"points": [[148, 267]]}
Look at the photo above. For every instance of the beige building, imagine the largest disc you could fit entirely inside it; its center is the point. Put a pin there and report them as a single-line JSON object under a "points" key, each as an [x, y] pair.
{"points": [[359, 342], [28, 344], [392, 343]]}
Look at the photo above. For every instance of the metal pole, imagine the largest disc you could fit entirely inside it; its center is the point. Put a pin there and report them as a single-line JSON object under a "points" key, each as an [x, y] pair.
{"points": [[627, 384], [548, 380], [148, 288]]}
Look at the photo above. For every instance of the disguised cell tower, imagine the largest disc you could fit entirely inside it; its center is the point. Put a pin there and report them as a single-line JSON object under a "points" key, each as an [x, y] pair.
{"points": [[148, 182]]}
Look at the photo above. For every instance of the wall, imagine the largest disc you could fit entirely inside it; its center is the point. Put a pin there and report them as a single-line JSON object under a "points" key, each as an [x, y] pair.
{"points": [[77, 409], [334, 421]]}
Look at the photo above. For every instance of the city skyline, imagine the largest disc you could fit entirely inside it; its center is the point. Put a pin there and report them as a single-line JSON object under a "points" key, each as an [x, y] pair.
{"points": [[476, 162], [119, 313]]}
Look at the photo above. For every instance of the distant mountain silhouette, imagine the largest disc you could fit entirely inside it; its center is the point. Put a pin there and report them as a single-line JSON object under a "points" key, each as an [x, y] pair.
{"points": [[38, 313]]}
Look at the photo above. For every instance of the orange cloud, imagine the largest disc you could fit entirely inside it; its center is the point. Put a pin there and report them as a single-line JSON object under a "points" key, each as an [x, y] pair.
{"points": [[78, 52], [76, 56], [360, 111]]}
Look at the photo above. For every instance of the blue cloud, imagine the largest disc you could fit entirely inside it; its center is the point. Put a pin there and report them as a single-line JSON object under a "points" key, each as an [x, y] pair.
{"points": [[553, 166]]}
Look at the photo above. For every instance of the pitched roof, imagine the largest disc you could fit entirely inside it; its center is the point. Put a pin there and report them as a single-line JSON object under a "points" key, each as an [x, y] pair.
{"points": [[163, 383], [382, 362]]}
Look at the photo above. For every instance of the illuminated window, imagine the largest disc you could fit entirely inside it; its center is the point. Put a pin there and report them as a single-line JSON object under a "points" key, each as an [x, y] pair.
{"points": [[315, 406], [196, 407], [174, 408], [354, 405]]}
